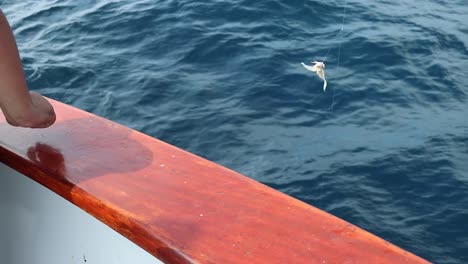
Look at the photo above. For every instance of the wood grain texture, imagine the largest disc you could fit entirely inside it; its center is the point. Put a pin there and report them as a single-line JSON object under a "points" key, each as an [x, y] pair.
{"points": [[179, 207]]}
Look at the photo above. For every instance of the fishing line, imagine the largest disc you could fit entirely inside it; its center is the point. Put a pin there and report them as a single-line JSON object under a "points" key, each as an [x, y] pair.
{"points": [[340, 31], [339, 49], [340, 42], [319, 66]]}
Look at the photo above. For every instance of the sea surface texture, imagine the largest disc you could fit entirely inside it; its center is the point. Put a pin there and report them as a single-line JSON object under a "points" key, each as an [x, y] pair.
{"points": [[385, 147]]}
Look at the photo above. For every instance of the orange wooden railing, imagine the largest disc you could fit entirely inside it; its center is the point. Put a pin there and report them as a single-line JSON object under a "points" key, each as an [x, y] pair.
{"points": [[179, 207]]}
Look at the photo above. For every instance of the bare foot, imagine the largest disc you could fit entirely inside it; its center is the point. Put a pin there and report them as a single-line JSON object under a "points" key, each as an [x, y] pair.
{"points": [[40, 114]]}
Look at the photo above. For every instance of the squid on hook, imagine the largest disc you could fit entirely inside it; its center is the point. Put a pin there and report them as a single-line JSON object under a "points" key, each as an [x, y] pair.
{"points": [[319, 68]]}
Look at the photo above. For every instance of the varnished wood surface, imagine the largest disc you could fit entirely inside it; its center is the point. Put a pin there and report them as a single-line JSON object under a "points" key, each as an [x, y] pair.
{"points": [[179, 207]]}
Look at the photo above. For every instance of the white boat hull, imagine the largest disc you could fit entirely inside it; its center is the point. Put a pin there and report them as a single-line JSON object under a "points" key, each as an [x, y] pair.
{"points": [[40, 227]]}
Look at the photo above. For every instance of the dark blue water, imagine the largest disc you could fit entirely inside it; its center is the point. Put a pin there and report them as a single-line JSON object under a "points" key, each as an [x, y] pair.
{"points": [[385, 147]]}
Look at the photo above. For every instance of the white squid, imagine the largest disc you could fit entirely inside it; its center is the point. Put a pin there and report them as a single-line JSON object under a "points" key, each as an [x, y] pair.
{"points": [[319, 68]]}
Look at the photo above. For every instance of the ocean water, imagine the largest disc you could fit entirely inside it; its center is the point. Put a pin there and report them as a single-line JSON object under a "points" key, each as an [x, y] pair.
{"points": [[385, 147]]}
